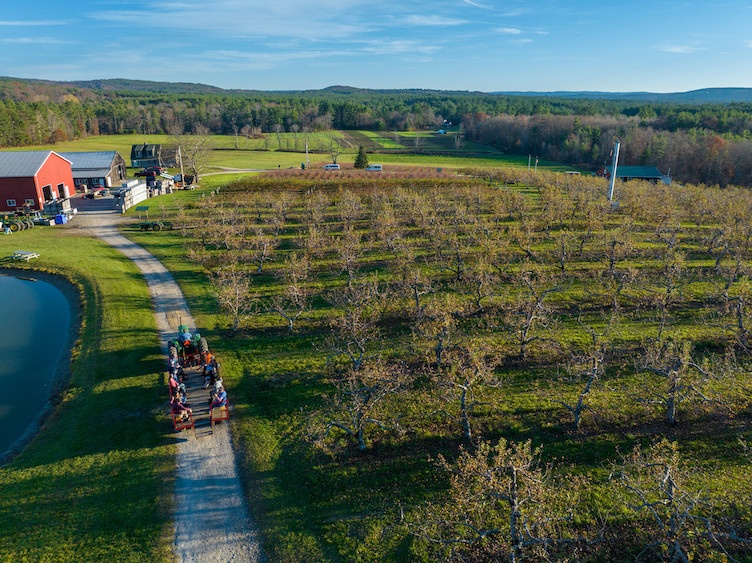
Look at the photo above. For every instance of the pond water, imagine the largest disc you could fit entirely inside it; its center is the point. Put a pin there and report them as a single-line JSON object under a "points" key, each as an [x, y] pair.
{"points": [[34, 337]]}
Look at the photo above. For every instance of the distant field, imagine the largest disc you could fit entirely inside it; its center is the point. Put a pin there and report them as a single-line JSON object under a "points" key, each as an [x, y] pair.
{"points": [[262, 154]]}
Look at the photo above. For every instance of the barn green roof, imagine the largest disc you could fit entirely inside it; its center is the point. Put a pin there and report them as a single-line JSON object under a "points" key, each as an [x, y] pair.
{"points": [[639, 172]]}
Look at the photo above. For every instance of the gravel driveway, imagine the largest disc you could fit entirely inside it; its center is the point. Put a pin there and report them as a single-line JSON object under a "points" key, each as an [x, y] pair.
{"points": [[211, 517]]}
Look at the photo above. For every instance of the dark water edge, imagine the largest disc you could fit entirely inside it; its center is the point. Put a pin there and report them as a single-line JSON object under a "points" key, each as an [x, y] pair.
{"points": [[40, 323]]}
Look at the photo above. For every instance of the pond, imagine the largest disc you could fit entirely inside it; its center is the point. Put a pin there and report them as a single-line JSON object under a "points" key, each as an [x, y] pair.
{"points": [[35, 336]]}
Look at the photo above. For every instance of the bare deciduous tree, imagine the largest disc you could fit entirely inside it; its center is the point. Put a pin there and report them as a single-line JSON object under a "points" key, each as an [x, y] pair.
{"points": [[436, 322], [465, 372], [655, 482], [357, 400], [195, 151], [667, 284], [261, 248], [617, 247], [673, 362], [232, 285], [294, 300], [335, 149], [353, 325], [501, 508], [525, 314], [587, 367], [349, 250]]}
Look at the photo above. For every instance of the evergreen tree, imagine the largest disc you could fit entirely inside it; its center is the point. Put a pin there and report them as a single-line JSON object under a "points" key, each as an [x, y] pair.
{"points": [[361, 161]]}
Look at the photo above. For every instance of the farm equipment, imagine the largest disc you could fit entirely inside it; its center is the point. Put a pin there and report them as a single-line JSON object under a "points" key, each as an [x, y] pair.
{"points": [[17, 223], [189, 352], [154, 225], [185, 181], [145, 224]]}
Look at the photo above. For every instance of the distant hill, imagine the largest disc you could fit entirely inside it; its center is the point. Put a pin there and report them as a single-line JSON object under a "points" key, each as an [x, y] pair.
{"points": [[35, 89], [126, 85], [703, 96]]}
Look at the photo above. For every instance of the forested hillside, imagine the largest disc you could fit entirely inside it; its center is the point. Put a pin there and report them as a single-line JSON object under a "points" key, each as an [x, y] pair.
{"points": [[700, 143]]}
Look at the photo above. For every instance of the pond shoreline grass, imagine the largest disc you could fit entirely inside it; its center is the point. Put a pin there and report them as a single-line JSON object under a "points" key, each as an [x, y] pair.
{"points": [[96, 482]]}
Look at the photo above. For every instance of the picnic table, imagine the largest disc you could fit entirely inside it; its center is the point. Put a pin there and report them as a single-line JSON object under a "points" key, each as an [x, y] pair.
{"points": [[24, 255]]}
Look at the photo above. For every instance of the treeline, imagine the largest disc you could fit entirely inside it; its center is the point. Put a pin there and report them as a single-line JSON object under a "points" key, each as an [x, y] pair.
{"points": [[696, 155], [703, 143]]}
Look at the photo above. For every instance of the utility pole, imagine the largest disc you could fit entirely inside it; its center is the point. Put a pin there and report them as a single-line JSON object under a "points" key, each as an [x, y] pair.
{"points": [[182, 173], [612, 181]]}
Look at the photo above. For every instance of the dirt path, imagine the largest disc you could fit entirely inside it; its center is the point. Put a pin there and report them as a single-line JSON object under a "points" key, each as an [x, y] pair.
{"points": [[211, 518]]}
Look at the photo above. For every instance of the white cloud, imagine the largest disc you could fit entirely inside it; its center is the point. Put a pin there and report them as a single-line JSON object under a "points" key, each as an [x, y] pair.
{"points": [[30, 23], [398, 47], [522, 41], [508, 30], [296, 19], [32, 41], [433, 21], [748, 43], [678, 49], [478, 5], [265, 61]]}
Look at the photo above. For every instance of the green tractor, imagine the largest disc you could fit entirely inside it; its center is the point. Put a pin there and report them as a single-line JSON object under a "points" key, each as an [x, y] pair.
{"points": [[17, 223], [188, 348]]}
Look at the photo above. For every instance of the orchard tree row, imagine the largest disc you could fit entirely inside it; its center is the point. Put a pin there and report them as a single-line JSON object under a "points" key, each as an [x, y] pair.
{"points": [[483, 319]]}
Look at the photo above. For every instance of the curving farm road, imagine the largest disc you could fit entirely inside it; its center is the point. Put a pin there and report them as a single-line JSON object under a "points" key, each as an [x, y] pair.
{"points": [[211, 519]]}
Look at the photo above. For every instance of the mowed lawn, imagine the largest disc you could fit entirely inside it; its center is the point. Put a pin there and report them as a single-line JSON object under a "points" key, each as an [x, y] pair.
{"points": [[287, 150], [96, 483]]}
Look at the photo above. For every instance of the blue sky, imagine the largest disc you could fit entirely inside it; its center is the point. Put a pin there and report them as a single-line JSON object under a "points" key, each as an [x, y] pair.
{"points": [[485, 45]]}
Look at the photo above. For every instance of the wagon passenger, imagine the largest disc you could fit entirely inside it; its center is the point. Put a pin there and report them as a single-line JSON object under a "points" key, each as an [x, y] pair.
{"points": [[220, 399], [211, 373], [173, 383], [179, 408]]}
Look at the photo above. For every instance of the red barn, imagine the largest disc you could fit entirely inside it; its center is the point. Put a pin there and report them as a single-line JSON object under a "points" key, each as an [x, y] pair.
{"points": [[31, 178]]}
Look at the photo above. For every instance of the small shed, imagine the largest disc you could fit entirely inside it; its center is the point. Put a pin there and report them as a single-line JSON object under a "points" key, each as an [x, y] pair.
{"points": [[29, 179], [625, 173], [107, 168]]}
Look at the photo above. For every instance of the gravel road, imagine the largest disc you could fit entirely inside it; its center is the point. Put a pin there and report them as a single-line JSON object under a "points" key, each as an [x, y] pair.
{"points": [[212, 522]]}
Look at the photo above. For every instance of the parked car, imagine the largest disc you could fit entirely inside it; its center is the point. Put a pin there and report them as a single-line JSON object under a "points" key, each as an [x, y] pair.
{"points": [[150, 171], [374, 167], [97, 191], [331, 167]]}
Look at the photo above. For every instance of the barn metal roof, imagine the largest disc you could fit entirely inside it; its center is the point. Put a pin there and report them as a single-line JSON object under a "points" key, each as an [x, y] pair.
{"points": [[643, 172], [22, 164], [90, 164], [90, 160]]}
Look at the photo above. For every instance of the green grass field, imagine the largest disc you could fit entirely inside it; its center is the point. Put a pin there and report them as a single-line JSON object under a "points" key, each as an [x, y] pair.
{"points": [[316, 496], [262, 154], [95, 484]]}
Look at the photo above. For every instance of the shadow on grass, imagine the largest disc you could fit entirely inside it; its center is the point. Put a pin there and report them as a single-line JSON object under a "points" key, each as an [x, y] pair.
{"points": [[84, 507]]}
